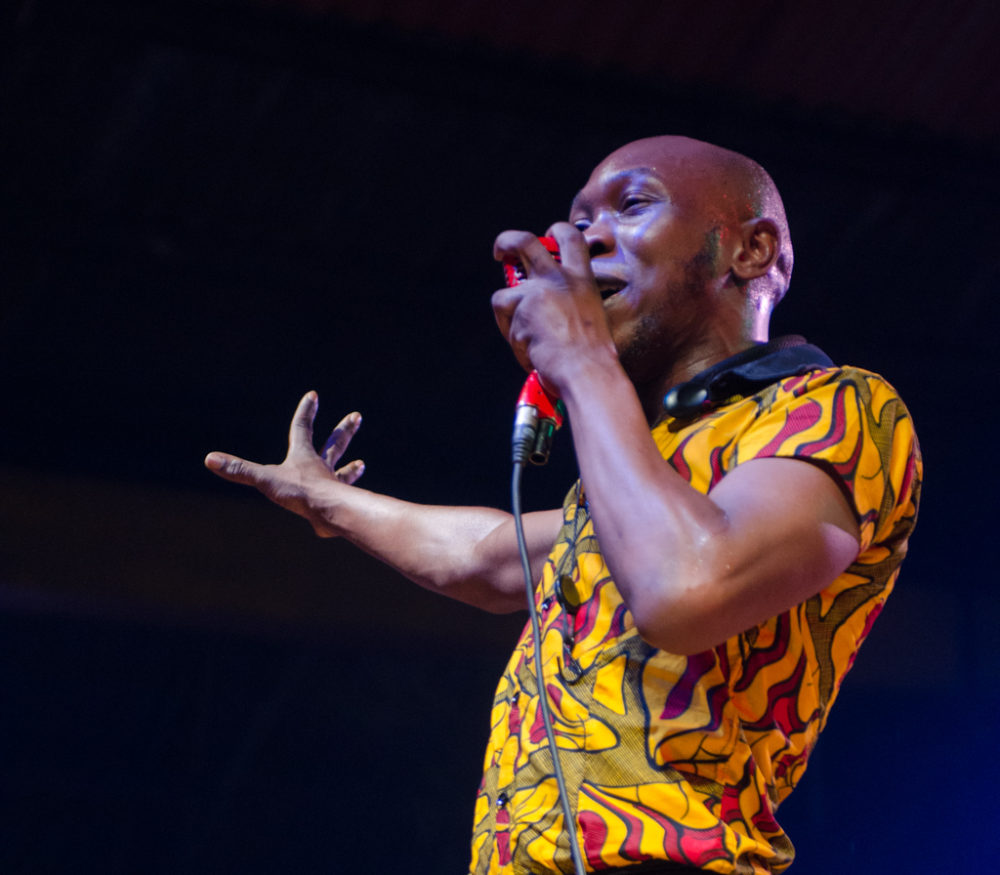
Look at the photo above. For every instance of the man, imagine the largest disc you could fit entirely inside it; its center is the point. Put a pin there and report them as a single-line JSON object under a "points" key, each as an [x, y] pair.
{"points": [[740, 517]]}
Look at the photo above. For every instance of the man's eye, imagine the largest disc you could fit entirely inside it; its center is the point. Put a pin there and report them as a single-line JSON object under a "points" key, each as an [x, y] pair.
{"points": [[633, 202], [581, 225]]}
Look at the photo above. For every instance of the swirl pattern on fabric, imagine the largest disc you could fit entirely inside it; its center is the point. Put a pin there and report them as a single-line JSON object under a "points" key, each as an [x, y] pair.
{"points": [[686, 758]]}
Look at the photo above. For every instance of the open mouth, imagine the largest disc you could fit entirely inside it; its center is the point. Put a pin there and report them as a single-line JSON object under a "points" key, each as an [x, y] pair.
{"points": [[608, 288]]}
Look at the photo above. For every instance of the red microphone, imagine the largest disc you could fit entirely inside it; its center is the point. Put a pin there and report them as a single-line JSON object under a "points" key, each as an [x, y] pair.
{"points": [[538, 413]]}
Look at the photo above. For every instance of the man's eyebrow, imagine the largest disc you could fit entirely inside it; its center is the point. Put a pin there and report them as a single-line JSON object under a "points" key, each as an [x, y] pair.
{"points": [[580, 201]]}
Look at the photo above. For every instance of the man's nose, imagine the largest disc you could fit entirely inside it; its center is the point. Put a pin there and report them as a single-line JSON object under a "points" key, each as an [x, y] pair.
{"points": [[599, 236]]}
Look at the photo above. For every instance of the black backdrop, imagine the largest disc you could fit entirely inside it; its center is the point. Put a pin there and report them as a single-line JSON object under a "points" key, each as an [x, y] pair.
{"points": [[207, 213]]}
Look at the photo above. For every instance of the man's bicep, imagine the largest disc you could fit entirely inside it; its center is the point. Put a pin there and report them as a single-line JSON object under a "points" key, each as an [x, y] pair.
{"points": [[791, 533]]}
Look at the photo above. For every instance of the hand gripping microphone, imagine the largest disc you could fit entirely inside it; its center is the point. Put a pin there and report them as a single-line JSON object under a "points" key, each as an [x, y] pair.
{"points": [[538, 416], [538, 413]]}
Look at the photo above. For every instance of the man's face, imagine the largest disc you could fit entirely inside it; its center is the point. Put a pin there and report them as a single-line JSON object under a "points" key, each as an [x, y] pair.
{"points": [[653, 248]]}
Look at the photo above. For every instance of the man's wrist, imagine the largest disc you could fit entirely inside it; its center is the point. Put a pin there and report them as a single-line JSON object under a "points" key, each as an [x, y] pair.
{"points": [[598, 371], [325, 508]]}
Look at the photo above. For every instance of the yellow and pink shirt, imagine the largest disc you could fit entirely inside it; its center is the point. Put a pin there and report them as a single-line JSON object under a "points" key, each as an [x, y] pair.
{"points": [[686, 758]]}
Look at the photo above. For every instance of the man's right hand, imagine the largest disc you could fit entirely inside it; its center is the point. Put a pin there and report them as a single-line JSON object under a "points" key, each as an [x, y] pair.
{"points": [[302, 482]]}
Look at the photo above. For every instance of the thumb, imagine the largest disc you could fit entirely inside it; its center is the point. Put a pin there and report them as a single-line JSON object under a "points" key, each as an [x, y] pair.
{"points": [[233, 468]]}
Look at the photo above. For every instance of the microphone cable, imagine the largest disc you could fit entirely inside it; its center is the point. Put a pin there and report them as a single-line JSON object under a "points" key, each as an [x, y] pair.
{"points": [[521, 449], [537, 417]]}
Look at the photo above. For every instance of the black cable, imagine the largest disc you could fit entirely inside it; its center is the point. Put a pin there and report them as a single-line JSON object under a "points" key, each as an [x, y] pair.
{"points": [[569, 820]]}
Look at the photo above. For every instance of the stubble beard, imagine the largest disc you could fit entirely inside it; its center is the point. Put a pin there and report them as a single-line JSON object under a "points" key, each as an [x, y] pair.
{"points": [[665, 339]]}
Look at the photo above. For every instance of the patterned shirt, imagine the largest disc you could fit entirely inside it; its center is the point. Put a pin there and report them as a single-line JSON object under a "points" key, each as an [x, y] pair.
{"points": [[686, 758]]}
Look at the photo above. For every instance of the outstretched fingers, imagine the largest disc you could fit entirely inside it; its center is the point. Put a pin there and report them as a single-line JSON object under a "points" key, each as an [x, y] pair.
{"points": [[336, 444], [302, 459], [300, 432], [350, 473]]}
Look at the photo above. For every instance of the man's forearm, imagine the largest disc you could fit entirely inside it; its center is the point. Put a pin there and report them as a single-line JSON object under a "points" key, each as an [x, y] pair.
{"points": [[465, 553]]}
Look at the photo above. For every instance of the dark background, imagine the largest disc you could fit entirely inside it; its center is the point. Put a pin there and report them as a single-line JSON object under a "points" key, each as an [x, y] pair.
{"points": [[210, 207]]}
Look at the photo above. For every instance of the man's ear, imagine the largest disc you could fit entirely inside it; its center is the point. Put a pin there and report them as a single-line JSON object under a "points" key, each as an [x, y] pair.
{"points": [[758, 249]]}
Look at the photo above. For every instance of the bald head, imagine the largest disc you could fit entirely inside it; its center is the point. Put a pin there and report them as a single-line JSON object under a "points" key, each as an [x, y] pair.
{"points": [[726, 187]]}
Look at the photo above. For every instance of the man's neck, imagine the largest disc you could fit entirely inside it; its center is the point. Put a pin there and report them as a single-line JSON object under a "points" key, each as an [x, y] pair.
{"points": [[714, 350]]}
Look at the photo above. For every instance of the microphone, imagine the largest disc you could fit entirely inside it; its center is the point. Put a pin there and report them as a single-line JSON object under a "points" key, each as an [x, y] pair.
{"points": [[538, 413], [537, 416]]}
